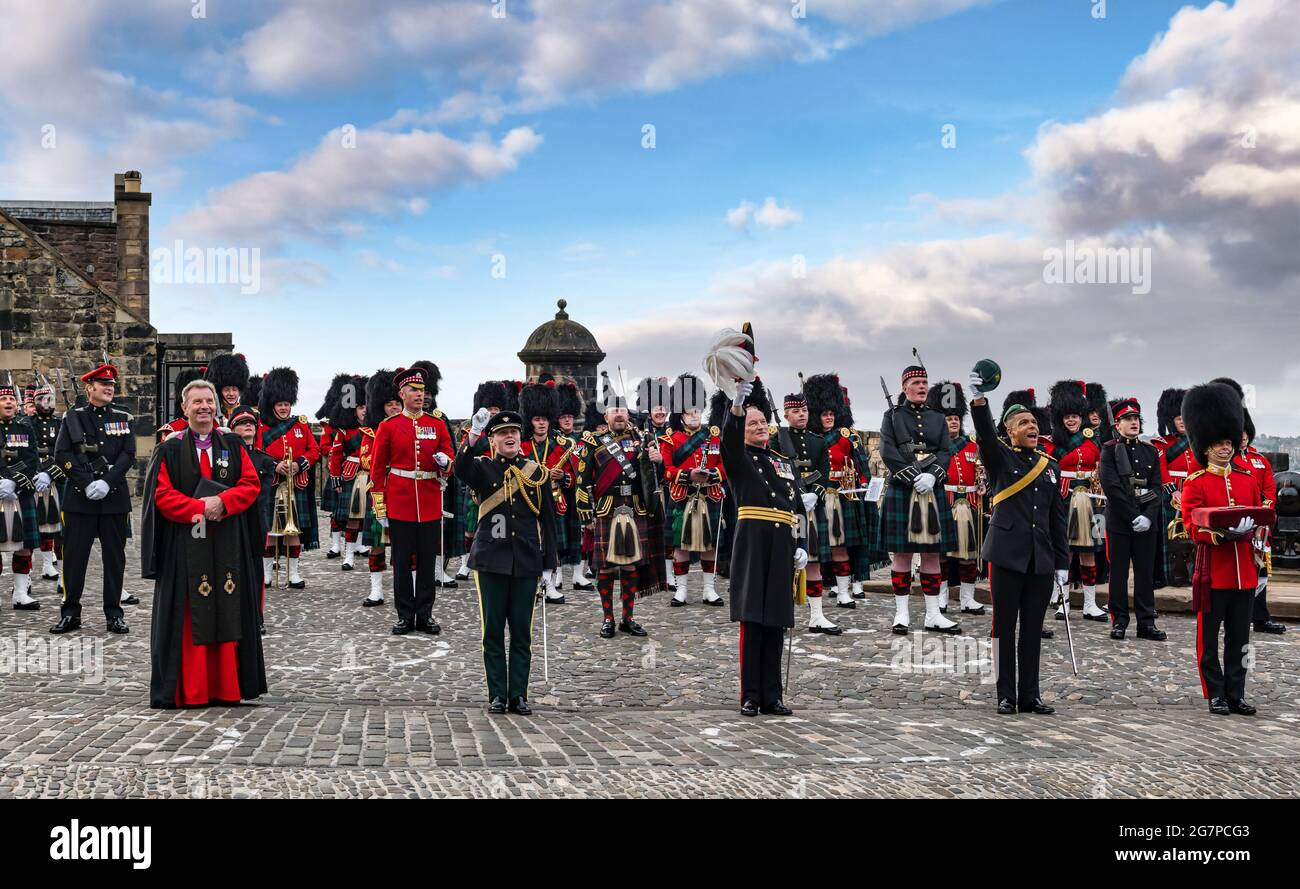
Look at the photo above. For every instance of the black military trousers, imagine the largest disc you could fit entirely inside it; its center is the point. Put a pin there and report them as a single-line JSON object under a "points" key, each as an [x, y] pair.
{"points": [[419, 539], [504, 600], [1139, 552], [760, 663], [1018, 598], [80, 530], [1231, 610]]}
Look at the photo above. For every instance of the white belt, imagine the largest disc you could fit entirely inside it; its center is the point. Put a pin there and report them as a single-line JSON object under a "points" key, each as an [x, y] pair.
{"points": [[1177, 473], [1067, 473], [352, 459], [418, 474], [960, 489]]}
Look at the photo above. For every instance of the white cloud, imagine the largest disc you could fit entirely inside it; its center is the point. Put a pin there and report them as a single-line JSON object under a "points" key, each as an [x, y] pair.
{"points": [[769, 215]]}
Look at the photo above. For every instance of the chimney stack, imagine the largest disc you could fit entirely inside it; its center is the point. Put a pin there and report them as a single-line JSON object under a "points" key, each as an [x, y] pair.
{"points": [[132, 211]]}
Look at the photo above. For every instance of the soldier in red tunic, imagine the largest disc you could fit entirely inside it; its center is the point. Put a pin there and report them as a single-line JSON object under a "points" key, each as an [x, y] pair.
{"points": [[1074, 444], [693, 474], [287, 438], [344, 462], [1223, 584], [962, 487], [413, 450]]}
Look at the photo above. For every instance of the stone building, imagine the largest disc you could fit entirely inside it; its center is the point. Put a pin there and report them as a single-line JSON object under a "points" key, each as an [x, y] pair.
{"points": [[74, 286], [564, 348]]}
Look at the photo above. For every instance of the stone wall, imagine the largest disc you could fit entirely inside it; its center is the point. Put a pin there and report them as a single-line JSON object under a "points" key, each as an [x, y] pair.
{"points": [[89, 247]]}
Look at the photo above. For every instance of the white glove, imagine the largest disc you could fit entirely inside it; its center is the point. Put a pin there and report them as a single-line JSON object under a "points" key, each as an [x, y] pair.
{"points": [[8, 490], [924, 483], [1063, 579], [441, 459], [973, 383], [800, 559], [42, 482], [383, 523], [743, 391], [1245, 526], [479, 421], [1141, 524], [809, 501], [97, 490]]}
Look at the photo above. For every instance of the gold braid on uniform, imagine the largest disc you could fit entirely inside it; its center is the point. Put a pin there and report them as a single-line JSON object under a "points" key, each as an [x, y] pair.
{"points": [[516, 478]]}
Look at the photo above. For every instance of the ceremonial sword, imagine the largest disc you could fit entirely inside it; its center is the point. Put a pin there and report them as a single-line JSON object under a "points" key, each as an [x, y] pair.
{"points": [[1069, 636]]}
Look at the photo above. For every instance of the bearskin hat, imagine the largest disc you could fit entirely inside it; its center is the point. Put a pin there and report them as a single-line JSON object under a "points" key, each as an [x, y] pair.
{"points": [[183, 379], [332, 395], [1097, 401], [1211, 413], [351, 395], [253, 394], [279, 384], [948, 398], [228, 369], [592, 417], [1066, 397], [1249, 424], [1168, 407], [567, 400], [823, 392], [379, 391], [432, 376], [1028, 398], [491, 394], [719, 404], [537, 400], [688, 393]]}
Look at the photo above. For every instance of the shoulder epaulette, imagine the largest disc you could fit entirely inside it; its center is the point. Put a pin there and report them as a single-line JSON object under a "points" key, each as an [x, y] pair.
{"points": [[844, 432], [1088, 433], [1195, 474], [714, 430], [437, 412], [590, 438], [302, 418], [666, 438]]}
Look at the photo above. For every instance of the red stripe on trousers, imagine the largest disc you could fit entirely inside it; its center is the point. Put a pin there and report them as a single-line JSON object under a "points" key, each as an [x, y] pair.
{"points": [[1200, 651]]}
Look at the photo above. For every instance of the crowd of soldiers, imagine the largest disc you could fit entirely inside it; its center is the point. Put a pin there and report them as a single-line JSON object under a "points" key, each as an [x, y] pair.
{"points": [[630, 490]]}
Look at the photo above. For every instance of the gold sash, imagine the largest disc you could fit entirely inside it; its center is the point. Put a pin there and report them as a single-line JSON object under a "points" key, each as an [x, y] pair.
{"points": [[1023, 482]]}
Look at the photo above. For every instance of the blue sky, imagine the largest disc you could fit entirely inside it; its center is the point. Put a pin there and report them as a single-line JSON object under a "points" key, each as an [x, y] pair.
{"points": [[847, 145]]}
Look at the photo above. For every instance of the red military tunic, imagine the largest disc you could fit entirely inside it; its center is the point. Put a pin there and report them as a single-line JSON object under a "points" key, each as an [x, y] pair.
{"points": [[207, 672], [297, 441], [404, 474], [326, 442], [962, 480], [166, 431], [1176, 469], [707, 456], [1257, 465], [1078, 465], [1231, 562], [344, 455], [841, 457], [550, 454]]}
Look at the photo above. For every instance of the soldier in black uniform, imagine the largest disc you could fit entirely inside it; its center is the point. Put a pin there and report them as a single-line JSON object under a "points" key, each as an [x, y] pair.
{"points": [[1132, 521], [513, 544], [49, 518], [1025, 547], [812, 460], [20, 479], [96, 448], [767, 550]]}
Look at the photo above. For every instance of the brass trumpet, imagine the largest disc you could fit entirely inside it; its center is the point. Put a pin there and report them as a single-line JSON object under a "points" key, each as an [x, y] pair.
{"points": [[284, 517]]}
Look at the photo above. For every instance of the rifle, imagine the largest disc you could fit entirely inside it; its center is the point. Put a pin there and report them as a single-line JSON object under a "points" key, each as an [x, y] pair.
{"points": [[1123, 465]]}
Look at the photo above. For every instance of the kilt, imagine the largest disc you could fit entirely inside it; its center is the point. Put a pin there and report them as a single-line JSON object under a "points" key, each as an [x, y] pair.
{"points": [[49, 510], [860, 527], [304, 505], [342, 501], [24, 509], [329, 501], [673, 527], [453, 537], [601, 534], [372, 533], [894, 520]]}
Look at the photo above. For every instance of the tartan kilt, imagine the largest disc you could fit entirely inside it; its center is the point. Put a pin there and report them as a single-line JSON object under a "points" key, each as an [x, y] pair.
{"points": [[329, 501], [676, 514], [453, 538], [31, 535], [894, 518], [860, 526], [342, 501], [372, 533], [304, 504], [600, 536]]}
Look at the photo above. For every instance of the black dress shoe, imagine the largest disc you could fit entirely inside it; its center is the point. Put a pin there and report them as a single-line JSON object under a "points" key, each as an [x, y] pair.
{"points": [[1219, 707], [748, 708], [428, 625], [300, 585], [859, 595], [829, 631], [556, 601], [346, 567], [402, 627], [66, 625], [674, 602], [371, 603], [978, 609], [900, 630], [777, 709], [1005, 707], [607, 630], [332, 554], [520, 706], [1269, 626], [631, 627], [848, 604], [585, 587], [131, 600], [1097, 617], [1117, 632], [497, 706], [49, 576], [118, 626], [1241, 708], [27, 606], [1047, 634], [1154, 633], [451, 585], [1038, 707], [716, 602]]}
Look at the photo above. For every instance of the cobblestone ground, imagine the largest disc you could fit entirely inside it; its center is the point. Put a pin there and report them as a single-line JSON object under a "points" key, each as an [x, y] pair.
{"points": [[354, 711]]}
